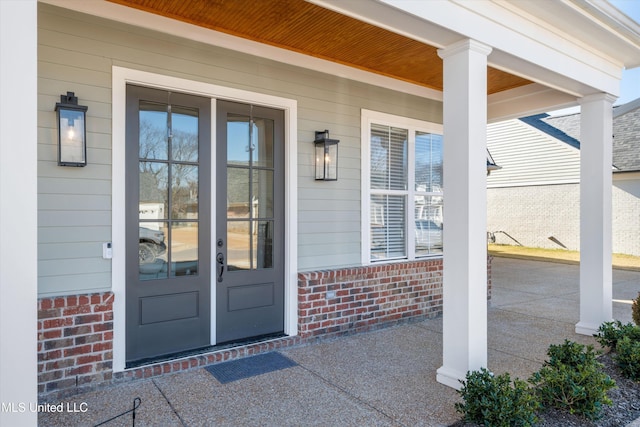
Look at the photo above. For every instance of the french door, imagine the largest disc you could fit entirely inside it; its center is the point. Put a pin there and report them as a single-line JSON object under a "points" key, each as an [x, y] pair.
{"points": [[168, 226], [171, 259], [249, 221]]}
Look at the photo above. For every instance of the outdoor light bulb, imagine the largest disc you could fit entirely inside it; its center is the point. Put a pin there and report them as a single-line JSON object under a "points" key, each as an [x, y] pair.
{"points": [[71, 133]]}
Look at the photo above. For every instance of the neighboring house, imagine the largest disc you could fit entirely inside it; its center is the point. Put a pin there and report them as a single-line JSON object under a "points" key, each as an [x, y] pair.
{"points": [[197, 231], [534, 200]]}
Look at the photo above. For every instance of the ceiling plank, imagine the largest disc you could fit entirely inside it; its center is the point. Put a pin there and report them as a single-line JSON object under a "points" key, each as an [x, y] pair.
{"points": [[312, 30]]}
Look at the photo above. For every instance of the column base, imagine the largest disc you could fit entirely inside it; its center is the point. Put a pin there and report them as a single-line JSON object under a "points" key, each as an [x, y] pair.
{"points": [[584, 328], [450, 377]]}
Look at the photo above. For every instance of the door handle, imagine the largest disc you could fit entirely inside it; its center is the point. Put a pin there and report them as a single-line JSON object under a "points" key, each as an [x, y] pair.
{"points": [[220, 259]]}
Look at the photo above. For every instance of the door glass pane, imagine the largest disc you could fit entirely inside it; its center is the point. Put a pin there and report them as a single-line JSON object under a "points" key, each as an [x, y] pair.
{"points": [[263, 244], [262, 142], [238, 245], [168, 190], [238, 140], [238, 202], [184, 191], [262, 198], [152, 250], [184, 248], [184, 134], [154, 190], [153, 131]]}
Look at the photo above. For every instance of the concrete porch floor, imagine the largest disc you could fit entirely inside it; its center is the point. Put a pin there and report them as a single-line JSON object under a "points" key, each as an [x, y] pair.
{"points": [[380, 378]]}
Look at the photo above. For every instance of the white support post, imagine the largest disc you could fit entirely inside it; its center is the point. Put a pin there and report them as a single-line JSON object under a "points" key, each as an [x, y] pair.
{"points": [[596, 136], [18, 212], [465, 210]]}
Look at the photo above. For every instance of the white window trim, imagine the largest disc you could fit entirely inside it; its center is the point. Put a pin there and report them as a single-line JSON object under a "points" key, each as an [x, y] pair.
{"points": [[120, 78], [369, 117]]}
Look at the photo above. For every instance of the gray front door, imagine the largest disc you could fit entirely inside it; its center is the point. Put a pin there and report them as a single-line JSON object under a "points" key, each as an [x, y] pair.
{"points": [[250, 222], [168, 227]]}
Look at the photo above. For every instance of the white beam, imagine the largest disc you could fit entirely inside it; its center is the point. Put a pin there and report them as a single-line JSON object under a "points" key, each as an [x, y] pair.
{"points": [[524, 44], [465, 210], [525, 101], [596, 133], [18, 211]]}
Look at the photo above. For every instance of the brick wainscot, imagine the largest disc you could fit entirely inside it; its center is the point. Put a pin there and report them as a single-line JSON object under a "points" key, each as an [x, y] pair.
{"points": [[75, 333], [338, 302], [75, 341]]}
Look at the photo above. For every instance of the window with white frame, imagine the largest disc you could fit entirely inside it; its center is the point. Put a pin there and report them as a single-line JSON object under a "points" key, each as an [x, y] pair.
{"points": [[402, 187]]}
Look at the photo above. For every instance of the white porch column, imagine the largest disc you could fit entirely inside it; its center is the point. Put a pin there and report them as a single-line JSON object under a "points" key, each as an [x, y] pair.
{"points": [[596, 131], [18, 211], [465, 211]]}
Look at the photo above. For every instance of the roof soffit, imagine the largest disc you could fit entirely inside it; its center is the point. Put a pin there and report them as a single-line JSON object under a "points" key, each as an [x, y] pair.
{"points": [[309, 29]]}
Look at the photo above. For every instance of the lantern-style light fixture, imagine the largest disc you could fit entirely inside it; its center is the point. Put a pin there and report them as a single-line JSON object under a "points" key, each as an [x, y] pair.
{"points": [[491, 164], [72, 131], [326, 157]]}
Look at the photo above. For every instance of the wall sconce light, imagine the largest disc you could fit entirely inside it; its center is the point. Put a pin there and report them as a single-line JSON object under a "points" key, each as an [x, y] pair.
{"points": [[491, 164], [326, 157], [72, 131]]}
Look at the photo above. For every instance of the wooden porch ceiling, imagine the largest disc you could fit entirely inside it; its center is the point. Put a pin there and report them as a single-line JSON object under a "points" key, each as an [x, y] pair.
{"points": [[312, 30]]}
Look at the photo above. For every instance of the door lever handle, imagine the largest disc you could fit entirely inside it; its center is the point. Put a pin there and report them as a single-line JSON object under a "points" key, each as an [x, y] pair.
{"points": [[220, 259]]}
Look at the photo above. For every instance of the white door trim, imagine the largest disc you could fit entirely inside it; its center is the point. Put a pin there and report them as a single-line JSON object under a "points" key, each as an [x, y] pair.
{"points": [[120, 78]]}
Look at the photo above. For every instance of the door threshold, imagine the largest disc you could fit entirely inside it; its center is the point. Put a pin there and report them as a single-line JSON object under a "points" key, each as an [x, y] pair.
{"points": [[202, 350], [248, 341]]}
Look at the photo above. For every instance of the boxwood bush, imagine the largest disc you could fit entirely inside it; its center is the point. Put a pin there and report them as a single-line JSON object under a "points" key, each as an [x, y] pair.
{"points": [[624, 342], [573, 379], [493, 401], [609, 333], [627, 357]]}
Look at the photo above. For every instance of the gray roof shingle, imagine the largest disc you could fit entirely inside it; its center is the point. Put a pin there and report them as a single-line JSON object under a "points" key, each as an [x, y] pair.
{"points": [[626, 132]]}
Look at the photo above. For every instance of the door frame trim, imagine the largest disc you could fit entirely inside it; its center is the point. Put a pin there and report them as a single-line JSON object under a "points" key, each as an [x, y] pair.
{"points": [[120, 78]]}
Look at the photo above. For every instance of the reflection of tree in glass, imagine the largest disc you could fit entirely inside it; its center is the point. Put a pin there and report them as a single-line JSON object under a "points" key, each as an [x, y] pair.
{"points": [[153, 135], [177, 174], [184, 153], [184, 191], [153, 145], [184, 146], [153, 183]]}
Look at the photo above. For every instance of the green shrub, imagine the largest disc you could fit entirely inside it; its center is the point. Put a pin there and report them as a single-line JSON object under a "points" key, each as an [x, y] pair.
{"points": [[492, 401], [635, 310], [627, 357], [609, 333], [572, 379]]}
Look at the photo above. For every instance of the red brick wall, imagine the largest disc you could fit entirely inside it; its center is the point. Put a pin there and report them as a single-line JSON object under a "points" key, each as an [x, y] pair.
{"points": [[75, 341], [75, 333], [337, 302]]}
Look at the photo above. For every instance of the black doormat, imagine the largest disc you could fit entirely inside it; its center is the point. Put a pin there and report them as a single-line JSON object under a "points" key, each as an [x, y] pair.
{"points": [[249, 367]]}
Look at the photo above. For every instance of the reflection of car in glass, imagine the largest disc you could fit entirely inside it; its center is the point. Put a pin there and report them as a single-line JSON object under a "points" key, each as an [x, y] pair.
{"points": [[151, 245], [428, 234]]}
